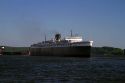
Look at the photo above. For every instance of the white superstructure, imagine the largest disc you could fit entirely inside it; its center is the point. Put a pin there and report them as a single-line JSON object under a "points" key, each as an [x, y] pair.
{"points": [[68, 41], [74, 39]]}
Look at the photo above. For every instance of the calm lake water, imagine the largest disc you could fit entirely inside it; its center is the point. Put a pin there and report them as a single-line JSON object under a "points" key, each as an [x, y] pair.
{"points": [[36, 69]]}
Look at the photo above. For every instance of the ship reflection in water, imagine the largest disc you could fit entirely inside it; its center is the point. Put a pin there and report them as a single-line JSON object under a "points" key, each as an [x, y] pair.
{"points": [[39, 69]]}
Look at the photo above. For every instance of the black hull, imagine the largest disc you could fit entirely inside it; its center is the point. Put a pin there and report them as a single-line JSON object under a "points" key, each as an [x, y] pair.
{"points": [[76, 51]]}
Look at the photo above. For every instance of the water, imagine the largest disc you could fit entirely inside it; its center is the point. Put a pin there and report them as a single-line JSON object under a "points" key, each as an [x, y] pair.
{"points": [[36, 69]]}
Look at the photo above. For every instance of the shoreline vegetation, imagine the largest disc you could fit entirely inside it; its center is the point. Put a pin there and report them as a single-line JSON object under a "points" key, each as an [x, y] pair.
{"points": [[107, 51], [95, 51]]}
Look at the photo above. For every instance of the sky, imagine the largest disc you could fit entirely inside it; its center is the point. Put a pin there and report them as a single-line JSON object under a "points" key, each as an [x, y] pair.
{"points": [[24, 22]]}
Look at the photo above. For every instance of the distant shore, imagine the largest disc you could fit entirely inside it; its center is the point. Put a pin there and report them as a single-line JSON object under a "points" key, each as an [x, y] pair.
{"points": [[107, 51]]}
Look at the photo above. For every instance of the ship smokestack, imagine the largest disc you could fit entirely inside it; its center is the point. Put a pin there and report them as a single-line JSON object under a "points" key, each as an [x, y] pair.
{"points": [[58, 37]]}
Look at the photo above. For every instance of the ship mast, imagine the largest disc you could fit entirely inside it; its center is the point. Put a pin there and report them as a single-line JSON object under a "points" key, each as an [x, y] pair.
{"points": [[71, 33], [45, 37]]}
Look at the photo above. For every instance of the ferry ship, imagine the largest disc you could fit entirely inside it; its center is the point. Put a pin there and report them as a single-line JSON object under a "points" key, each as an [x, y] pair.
{"points": [[72, 46]]}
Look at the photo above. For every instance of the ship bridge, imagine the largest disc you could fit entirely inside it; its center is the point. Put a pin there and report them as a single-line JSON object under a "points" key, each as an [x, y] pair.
{"points": [[74, 39]]}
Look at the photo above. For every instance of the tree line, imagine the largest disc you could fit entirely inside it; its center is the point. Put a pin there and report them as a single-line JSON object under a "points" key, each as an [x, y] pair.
{"points": [[107, 51]]}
